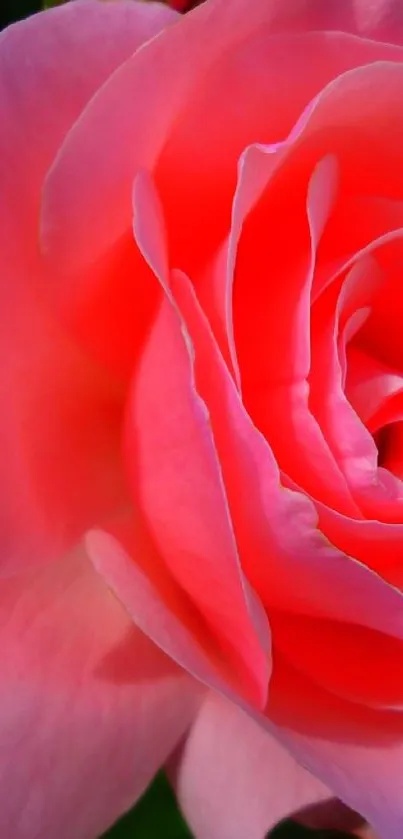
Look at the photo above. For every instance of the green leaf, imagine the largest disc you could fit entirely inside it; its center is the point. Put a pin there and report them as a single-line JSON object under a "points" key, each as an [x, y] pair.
{"points": [[156, 816], [47, 4]]}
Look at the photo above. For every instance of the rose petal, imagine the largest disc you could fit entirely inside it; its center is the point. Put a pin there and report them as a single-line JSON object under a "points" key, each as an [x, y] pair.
{"points": [[282, 368], [380, 334], [351, 443], [356, 751], [234, 780], [154, 82], [297, 703], [333, 108], [196, 174], [335, 656], [365, 776], [381, 19], [126, 558], [58, 458], [87, 194], [356, 222], [174, 466], [271, 552], [372, 387], [56, 78], [89, 708]]}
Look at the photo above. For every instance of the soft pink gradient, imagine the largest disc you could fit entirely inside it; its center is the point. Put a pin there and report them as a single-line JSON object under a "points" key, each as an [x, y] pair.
{"points": [[90, 708], [202, 414]]}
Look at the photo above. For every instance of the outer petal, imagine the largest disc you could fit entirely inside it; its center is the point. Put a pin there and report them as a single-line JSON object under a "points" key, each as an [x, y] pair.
{"points": [[355, 751], [133, 570], [89, 708], [381, 19], [57, 457], [234, 780], [59, 44], [87, 197], [366, 777]]}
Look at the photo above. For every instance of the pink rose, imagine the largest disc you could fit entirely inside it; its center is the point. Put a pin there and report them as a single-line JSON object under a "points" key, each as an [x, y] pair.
{"points": [[202, 445]]}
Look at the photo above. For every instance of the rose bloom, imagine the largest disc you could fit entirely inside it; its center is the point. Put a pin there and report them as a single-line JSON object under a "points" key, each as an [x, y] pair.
{"points": [[202, 413]]}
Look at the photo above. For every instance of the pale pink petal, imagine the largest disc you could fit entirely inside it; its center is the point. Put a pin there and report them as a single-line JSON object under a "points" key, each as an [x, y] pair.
{"points": [[376, 19], [178, 87], [52, 95], [234, 780], [157, 82], [356, 751], [59, 458], [365, 775], [126, 558], [89, 708]]}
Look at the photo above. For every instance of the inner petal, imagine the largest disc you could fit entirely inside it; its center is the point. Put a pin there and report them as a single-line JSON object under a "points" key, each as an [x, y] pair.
{"points": [[348, 438], [272, 300], [377, 393], [196, 173], [335, 655]]}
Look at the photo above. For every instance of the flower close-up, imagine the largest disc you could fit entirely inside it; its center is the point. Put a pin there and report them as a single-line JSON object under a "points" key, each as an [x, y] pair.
{"points": [[201, 432]]}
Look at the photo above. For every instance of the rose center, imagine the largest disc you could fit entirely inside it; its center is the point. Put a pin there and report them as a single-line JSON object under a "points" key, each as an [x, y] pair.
{"points": [[384, 440]]}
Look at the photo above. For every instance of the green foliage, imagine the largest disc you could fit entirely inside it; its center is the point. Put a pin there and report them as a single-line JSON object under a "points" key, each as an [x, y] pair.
{"points": [[47, 4], [156, 816]]}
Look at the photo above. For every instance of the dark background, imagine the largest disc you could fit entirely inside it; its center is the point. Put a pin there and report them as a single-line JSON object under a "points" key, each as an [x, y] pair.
{"points": [[11, 10]]}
